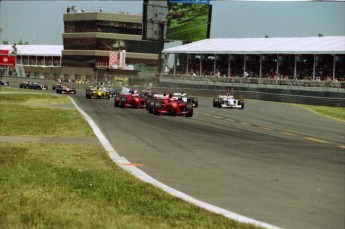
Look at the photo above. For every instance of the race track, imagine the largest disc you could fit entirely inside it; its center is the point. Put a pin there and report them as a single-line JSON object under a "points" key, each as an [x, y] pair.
{"points": [[273, 162]]}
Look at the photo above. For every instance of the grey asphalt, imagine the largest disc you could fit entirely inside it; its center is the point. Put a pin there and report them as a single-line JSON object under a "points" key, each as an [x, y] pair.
{"points": [[273, 162]]}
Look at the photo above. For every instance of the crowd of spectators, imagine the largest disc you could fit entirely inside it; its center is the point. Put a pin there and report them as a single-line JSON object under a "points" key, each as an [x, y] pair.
{"points": [[285, 69]]}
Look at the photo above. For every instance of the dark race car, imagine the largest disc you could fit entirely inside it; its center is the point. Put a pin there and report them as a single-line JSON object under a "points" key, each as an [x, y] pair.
{"points": [[38, 86], [55, 85], [4, 83], [25, 84]]}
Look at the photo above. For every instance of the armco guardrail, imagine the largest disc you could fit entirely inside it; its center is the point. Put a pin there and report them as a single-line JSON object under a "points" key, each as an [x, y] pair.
{"points": [[330, 85], [329, 96]]}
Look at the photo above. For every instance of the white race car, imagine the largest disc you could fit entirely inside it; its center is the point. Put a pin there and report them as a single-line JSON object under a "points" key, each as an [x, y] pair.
{"points": [[228, 101]]}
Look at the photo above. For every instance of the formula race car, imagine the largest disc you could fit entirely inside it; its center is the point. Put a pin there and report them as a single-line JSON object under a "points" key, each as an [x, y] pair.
{"points": [[38, 86], [4, 83], [228, 101], [97, 92], [25, 84], [129, 98], [65, 89], [169, 105], [187, 99], [111, 91], [55, 85], [150, 101]]}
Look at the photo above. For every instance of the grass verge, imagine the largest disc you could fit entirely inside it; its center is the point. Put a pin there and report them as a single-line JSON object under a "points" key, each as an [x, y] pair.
{"points": [[33, 115], [46, 185], [333, 112]]}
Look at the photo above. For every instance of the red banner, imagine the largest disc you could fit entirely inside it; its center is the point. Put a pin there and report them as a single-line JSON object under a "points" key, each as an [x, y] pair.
{"points": [[8, 61], [114, 58], [4, 52]]}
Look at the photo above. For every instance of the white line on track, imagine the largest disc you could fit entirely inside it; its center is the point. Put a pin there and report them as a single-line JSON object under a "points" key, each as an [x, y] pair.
{"points": [[121, 162]]}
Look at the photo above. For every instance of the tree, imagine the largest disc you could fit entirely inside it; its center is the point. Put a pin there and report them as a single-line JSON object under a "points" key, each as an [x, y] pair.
{"points": [[14, 47], [23, 43]]}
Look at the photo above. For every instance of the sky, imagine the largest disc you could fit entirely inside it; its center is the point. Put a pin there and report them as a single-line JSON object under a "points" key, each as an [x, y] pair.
{"points": [[41, 22]]}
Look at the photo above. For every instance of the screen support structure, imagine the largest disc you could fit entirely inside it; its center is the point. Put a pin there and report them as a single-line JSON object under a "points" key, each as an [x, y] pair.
{"points": [[154, 24], [161, 46]]}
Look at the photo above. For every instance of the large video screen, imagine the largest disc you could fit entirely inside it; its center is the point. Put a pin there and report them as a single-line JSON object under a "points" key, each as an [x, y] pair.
{"points": [[188, 20]]}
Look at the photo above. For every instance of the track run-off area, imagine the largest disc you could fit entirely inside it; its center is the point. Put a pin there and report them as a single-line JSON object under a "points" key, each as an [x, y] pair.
{"points": [[273, 162]]}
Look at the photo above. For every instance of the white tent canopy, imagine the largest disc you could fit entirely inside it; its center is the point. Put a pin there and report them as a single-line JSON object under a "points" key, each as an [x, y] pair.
{"points": [[35, 50], [298, 45]]}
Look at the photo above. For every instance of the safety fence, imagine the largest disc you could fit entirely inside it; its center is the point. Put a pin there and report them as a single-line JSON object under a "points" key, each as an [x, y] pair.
{"points": [[329, 85]]}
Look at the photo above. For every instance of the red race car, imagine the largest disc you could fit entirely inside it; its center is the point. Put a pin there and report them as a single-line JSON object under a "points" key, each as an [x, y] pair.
{"points": [[169, 105], [130, 99], [65, 89]]}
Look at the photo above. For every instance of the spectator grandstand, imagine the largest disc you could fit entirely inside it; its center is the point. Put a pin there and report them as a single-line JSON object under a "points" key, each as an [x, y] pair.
{"points": [[306, 58]]}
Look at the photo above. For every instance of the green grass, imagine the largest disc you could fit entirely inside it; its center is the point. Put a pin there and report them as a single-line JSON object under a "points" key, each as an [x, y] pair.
{"points": [[48, 185], [77, 186], [28, 115], [333, 112], [8, 89]]}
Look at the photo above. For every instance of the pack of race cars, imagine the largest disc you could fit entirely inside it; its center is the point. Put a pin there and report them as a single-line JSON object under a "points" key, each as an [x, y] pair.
{"points": [[173, 104]]}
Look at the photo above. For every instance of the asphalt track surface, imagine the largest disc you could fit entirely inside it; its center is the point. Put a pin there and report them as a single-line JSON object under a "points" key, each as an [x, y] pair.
{"points": [[273, 162]]}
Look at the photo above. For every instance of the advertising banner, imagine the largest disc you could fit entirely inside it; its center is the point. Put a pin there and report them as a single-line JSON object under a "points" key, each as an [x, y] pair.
{"points": [[4, 52], [114, 59], [117, 59], [7, 61]]}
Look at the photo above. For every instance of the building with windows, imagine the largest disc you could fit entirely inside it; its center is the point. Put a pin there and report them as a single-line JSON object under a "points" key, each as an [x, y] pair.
{"points": [[98, 44]]}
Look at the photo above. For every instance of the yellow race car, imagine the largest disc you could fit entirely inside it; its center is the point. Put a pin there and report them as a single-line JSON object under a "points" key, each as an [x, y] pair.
{"points": [[97, 92]]}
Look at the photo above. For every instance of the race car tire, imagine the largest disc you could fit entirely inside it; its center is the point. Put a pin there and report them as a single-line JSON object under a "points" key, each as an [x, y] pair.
{"points": [[189, 109], [151, 107], [123, 101], [220, 102], [147, 103], [157, 107], [195, 102], [215, 102], [116, 101], [241, 103]]}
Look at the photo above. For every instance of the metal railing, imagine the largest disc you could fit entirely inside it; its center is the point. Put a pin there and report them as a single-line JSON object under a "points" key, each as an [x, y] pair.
{"points": [[257, 82]]}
